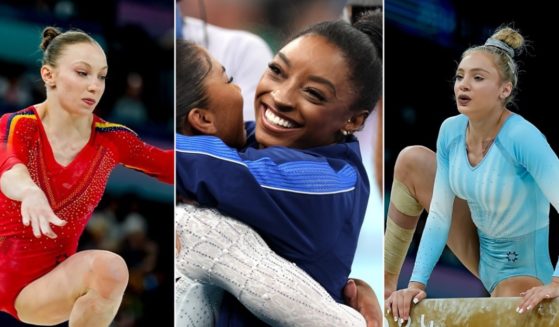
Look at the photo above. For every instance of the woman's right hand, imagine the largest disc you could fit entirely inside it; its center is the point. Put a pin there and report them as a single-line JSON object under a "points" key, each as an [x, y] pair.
{"points": [[399, 302], [36, 210], [16, 184]]}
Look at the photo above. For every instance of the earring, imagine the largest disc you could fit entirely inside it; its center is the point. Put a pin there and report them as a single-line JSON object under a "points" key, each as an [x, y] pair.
{"points": [[346, 133]]}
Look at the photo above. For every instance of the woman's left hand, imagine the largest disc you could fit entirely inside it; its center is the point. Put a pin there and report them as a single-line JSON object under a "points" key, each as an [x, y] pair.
{"points": [[532, 297]]}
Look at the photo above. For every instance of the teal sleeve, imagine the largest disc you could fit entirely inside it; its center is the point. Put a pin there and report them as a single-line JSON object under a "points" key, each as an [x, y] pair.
{"points": [[532, 151], [436, 229]]}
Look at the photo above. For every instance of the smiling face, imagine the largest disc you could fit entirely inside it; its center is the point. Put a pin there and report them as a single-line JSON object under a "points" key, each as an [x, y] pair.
{"points": [[478, 87], [303, 99], [78, 79]]}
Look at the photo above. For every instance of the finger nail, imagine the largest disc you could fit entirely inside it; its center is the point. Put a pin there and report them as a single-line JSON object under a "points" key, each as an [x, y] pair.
{"points": [[395, 319], [529, 308], [388, 311], [400, 322], [415, 300]]}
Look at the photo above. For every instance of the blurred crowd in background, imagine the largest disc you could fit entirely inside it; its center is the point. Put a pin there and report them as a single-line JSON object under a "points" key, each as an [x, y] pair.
{"points": [[274, 20]]}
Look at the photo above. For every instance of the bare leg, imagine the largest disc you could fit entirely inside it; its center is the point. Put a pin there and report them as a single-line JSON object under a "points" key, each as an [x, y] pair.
{"points": [[415, 172], [415, 168], [513, 286], [463, 240], [85, 289], [224, 252]]}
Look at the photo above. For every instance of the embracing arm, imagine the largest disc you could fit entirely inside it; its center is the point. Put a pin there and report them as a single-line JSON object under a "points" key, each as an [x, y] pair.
{"points": [[358, 294], [224, 252]]}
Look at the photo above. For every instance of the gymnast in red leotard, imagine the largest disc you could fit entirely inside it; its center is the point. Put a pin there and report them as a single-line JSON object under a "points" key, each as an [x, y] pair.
{"points": [[55, 159]]}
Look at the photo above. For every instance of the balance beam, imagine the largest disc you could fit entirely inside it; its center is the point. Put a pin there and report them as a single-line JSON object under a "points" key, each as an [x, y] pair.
{"points": [[474, 312]]}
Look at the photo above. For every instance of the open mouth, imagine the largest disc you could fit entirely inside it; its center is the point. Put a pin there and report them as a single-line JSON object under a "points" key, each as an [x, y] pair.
{"points": [[280, 122], [463, 99]]}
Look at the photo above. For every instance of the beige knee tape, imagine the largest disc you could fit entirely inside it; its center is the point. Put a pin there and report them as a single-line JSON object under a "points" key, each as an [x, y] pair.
{"points": [[396, 243], [403, 201]]}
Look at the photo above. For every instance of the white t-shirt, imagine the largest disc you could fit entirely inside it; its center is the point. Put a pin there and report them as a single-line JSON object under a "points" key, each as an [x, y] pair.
{"points": [[243, 54]]}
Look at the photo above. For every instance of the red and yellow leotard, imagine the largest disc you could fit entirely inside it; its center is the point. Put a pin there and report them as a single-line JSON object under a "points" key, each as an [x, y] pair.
{"points": [[73, 191]]}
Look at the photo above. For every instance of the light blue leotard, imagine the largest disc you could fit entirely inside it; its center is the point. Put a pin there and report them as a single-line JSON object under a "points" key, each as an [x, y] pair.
{"points": [[508, 193]]}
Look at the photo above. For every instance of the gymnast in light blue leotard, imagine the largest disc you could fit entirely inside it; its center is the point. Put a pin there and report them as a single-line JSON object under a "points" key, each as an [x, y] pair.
{"points": [[508, 193], [508, 174]]}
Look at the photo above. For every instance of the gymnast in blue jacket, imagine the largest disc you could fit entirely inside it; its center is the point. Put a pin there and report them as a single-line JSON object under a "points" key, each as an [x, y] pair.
{"points": [[299, 182]]}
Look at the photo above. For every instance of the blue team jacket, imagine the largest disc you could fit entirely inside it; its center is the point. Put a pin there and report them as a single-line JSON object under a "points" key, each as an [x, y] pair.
{"points": [[308, 205]]}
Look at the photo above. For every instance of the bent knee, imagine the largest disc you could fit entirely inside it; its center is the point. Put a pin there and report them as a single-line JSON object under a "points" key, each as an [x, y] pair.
{"points": [[109, 272], [414, 159]]}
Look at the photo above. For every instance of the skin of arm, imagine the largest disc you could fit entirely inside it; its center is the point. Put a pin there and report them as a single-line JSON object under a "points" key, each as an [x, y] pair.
{"points": [[17, 185]]}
